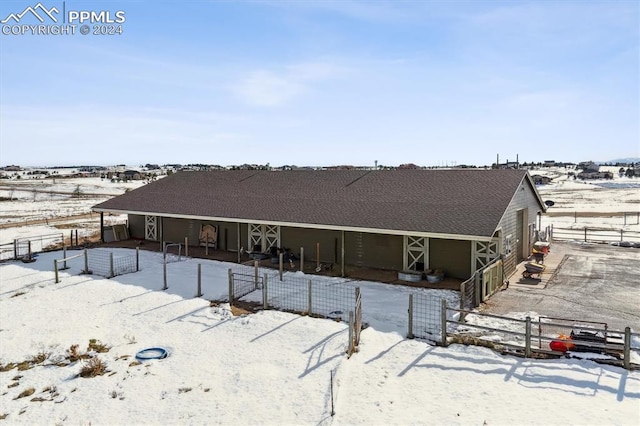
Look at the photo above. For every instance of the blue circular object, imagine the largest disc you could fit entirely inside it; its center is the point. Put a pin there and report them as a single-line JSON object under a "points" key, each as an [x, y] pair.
{"points": [[152, 353]]}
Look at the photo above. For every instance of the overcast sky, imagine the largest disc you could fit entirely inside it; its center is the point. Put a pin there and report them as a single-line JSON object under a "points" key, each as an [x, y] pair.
{"points": [[324, 83]]}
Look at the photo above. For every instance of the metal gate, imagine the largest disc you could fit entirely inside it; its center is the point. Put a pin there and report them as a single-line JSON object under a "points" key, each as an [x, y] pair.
{"points": [[425, 317]]}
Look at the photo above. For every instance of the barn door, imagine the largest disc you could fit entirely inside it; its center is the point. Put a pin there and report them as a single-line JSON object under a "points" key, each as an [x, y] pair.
{"points": [[416, 253], [263, 236], [484, 252], [151, 228], [271, 236], [255, 237]]}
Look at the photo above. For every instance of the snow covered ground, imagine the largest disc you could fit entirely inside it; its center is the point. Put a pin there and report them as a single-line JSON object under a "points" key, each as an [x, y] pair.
{"points": [[32, 199], [268, 368]]}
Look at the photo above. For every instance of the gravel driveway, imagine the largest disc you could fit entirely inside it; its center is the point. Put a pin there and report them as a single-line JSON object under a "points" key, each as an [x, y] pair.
{"points": [[593, 282]]}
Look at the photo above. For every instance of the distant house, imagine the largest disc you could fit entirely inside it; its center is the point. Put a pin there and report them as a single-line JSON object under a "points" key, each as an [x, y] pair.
{"points": [[595, 175], [541, 180], [132, 175], [455, 220], [589, 167], [549, 163]]}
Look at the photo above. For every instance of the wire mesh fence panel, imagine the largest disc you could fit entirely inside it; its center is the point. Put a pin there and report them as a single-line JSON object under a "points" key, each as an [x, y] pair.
{"points": [[468, 294], [106, 264], [99, 262], [290, 295], [247, 271], [426, 316], [332, 300], [124, 265], [244, 284]]}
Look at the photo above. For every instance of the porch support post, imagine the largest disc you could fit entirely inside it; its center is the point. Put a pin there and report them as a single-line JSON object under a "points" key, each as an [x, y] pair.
{"points": [[238, 242], [405, 257], [101, 228], [342, 254]]}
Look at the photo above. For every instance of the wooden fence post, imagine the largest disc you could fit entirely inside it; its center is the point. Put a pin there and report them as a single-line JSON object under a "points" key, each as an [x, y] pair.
{"points": [[410, 311], [317, 255], [281, 261], [86, 261], [585, 234], [301, 259], [527, 338], [164, 275], [230, 287], [333, 412], [199, 289], [137, 259], [477, 289], [111, 271], [309, 298], [627, 348], [443, 321], [255, 274], [265, 296], [55, 268], [186, 246], [350, 347]]}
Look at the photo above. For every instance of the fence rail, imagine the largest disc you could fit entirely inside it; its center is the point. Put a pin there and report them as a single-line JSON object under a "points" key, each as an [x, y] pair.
{"points": [[596, 235], [24, 247], [552, 336]]}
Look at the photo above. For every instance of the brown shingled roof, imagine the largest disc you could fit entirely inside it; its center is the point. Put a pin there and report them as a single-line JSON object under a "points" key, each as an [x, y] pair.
{"points": [[459, 202]]}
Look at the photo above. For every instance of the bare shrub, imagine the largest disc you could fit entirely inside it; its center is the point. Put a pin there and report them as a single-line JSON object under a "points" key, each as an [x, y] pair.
{"points": [[96, 345], [92, 368]]}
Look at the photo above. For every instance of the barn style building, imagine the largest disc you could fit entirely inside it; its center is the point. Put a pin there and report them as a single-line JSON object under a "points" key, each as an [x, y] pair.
{"points": [[453, 220]]}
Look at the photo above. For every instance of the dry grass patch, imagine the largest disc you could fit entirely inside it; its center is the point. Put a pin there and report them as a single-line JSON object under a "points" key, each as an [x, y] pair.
{"points": [[92, 368], [97, 346], [40, 357], [25, 393]]}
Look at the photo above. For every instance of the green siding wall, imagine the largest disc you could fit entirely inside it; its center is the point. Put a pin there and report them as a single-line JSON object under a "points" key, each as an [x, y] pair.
{"points": [[294, 238], [374, 250], [361, 249], [452, 256], [136, 226]]}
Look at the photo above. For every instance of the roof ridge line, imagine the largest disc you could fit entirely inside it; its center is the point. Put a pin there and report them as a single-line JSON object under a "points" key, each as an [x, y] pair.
{"points": [[358, 178], [249, 177]]}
